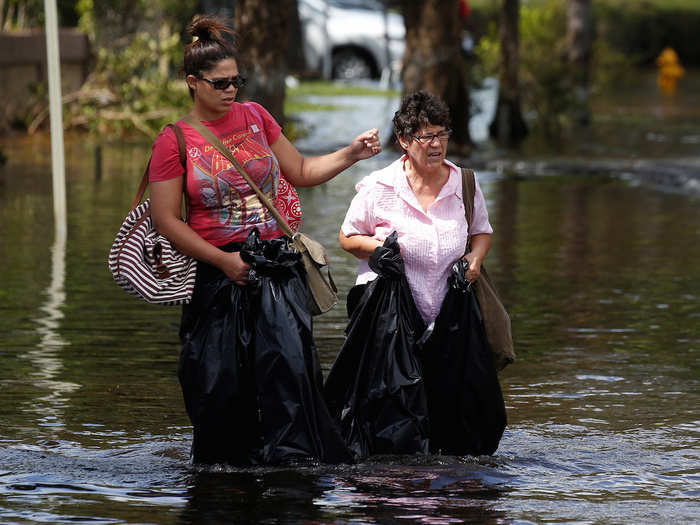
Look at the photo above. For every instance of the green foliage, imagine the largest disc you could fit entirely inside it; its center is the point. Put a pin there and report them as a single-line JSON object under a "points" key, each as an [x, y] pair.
{"points": [[137, 50], [488, 53], [133, 86], [86, 13], [293, 105], [611, 69], [544, 72], [338, 89], [21, 14], [293, 130], [29, 14], [641, 29], [547, 79], [131, 89], [484, 14], [296, 100]]}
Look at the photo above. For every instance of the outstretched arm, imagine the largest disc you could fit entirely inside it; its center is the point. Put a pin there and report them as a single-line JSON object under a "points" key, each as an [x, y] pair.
{"points": [[311, 171]]}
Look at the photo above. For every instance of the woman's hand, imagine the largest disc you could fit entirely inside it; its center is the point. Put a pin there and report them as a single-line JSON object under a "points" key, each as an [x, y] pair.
{"points": [[312, 171], [480, 246], [474, 270], [366, 145], [235, 268]]}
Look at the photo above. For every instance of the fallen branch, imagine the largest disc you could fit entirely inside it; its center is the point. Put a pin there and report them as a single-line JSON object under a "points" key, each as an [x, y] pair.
{"points": [[102, 96]]}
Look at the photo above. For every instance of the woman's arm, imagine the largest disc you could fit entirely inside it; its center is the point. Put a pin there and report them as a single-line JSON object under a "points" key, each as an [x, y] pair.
{"points": [[361, 246], [312, 171], [480, 245], [166, 205]]}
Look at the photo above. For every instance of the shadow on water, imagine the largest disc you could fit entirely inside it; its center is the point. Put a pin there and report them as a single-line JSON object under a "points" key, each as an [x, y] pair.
{"points": [[433, 490], [600, 274]]}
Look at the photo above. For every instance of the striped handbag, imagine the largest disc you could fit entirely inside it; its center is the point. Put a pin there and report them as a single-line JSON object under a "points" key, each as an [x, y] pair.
{"points": [[142, 261]]}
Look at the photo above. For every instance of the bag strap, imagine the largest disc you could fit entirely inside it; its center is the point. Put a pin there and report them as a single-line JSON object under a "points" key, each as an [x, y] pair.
{"points": [[182, 148], [468, 191], [214, 141]]}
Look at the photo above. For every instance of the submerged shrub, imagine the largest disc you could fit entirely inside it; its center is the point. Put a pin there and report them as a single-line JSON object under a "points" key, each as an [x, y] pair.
{"points": [[547, 78]]}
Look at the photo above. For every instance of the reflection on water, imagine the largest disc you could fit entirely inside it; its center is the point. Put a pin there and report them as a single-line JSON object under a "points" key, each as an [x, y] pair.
{"points": [[45, 358], [601, 277]]}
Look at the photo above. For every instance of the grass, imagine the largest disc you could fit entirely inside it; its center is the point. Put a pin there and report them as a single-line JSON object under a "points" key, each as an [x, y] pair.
{"points": [[293, 105], [322, 88], [295, 101]]}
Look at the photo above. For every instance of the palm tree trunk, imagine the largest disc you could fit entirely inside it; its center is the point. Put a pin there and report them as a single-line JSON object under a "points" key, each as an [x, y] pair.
{"points": [[262, 25], [432, 60], [508, 126], [579, 38]]}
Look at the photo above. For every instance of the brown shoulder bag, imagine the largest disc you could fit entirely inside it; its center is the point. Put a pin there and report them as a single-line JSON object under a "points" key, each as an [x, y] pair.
{"points": [[496, 318]]}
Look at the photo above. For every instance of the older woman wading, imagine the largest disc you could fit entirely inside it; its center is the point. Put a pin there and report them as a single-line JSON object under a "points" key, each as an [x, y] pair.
{"points": [[249, 370], [419, 197]]}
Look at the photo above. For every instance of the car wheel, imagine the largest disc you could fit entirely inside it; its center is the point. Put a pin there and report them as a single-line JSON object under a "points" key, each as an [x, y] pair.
{"points": [[349, 65]]}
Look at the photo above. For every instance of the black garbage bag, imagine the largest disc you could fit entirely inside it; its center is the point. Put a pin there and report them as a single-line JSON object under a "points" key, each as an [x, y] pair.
{"points": [[465, 402], [249, 369], [375, 389]]}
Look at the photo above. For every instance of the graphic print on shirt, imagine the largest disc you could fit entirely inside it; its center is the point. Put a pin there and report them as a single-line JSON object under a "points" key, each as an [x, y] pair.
{"points": [[230, 201]]}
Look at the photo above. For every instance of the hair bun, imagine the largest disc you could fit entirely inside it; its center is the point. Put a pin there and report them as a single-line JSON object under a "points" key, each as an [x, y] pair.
{"points": [[206, 28], [212, 41]]}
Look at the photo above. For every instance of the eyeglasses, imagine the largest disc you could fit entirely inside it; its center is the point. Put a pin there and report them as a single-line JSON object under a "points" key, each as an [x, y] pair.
{"points": [[442, 136], [223, 83]]}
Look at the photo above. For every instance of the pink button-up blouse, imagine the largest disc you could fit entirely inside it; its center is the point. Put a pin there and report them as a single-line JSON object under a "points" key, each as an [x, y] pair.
{"points": [[430, 240]]}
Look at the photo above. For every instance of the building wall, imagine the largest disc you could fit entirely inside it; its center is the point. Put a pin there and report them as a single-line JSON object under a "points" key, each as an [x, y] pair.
{"points": [[23, 77]]}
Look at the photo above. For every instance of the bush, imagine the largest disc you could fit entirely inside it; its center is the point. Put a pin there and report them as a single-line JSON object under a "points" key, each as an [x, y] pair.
{"points": [[547, 79], [637, 29], [131, 89], [641, 30]]}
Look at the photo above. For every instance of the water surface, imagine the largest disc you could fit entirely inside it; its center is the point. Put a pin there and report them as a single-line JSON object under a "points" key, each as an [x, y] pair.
{"points": [[602, 278]]}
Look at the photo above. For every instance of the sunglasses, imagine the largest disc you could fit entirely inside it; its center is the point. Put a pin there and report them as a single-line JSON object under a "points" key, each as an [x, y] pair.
{"points": [[223, 83]]}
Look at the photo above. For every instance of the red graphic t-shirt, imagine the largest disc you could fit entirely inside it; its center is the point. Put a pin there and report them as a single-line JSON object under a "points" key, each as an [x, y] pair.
{"points": [[223, 206]]}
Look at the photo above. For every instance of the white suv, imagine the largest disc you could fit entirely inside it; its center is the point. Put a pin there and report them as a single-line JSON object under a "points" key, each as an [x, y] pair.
{"points": [[351, 39]]}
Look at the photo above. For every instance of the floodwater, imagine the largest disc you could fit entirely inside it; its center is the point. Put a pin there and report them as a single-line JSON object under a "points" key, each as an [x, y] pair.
{"points": [[601, 276]]}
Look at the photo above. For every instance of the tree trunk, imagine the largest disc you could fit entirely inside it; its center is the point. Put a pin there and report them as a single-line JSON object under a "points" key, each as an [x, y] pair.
{"points": [[432, 61], [508, 126], [579, 39], [294, 54], [262, 25], [114, 20]]}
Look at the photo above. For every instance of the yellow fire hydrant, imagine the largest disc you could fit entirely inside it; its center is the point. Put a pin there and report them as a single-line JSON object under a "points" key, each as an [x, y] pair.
{"points": [[670, 71]]}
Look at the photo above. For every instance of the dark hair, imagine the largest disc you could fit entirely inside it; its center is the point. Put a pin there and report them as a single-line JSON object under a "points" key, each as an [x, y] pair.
{"points": [[420, 109], [213, 41]]}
